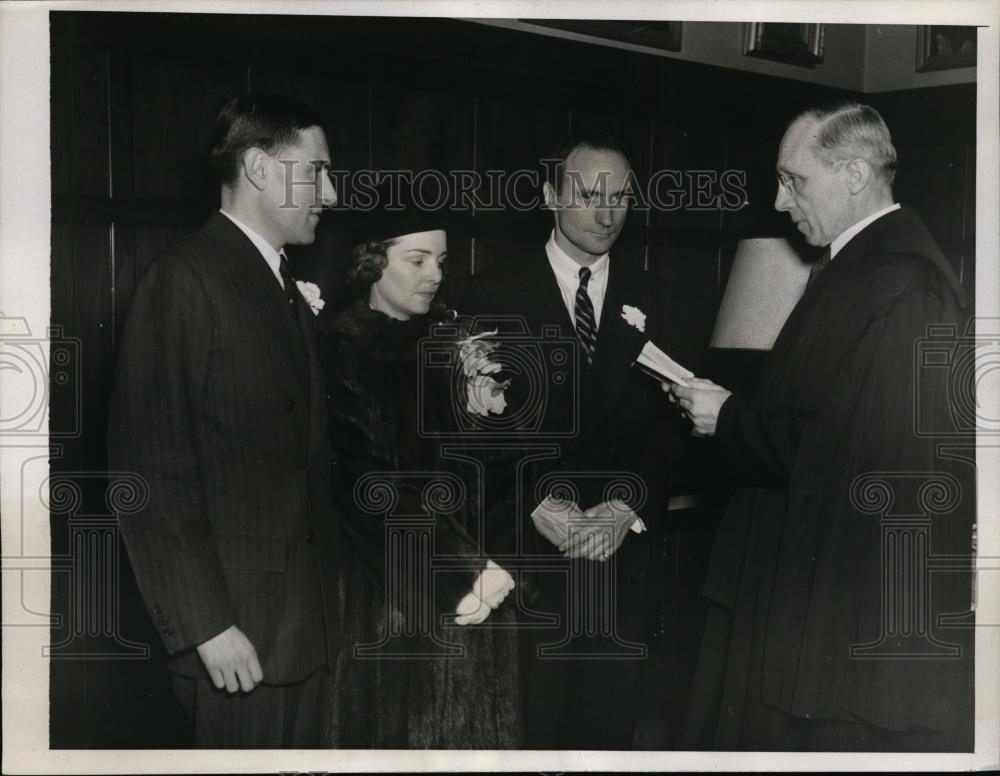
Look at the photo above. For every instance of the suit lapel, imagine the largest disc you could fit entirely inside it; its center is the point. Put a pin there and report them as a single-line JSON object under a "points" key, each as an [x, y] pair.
{"points": [[256, 283], [545, 299], [317, 397], [618, 343]]}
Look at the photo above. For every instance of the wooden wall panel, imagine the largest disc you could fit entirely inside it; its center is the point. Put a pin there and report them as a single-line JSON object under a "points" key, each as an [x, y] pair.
{"points": [[494, 250], [689, 261], [79, 118], [171, 106], [753, 156], [696, 154], [417, 129], [81, 307]]}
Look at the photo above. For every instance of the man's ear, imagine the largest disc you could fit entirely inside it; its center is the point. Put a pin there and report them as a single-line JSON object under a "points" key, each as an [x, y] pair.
{"points": [[859, 174], [549, 194], [254, 167]]}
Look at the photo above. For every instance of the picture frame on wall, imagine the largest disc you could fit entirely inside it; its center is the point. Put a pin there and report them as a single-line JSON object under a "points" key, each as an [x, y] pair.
{"points": [[945, 47], [665, 36], [794, 44]]}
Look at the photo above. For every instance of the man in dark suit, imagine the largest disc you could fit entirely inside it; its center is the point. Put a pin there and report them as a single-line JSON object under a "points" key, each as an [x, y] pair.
{"points": [[605, 471], [218, 403], [827, 629]]}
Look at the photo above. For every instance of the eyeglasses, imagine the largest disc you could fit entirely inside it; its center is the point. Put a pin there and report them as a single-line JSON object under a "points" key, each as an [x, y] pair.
{"points": [[793, 184], [790, 183]]}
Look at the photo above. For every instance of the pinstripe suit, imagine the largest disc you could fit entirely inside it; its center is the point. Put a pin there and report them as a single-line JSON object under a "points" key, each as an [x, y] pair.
{"points": [[218, 402]]}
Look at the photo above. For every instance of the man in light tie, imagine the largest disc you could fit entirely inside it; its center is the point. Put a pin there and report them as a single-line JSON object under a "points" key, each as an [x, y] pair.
{"points": [[610, 472]]}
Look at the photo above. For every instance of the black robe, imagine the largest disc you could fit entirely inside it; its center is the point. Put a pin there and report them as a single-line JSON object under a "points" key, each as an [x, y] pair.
{"points": [[849, 451], [457, 696]]}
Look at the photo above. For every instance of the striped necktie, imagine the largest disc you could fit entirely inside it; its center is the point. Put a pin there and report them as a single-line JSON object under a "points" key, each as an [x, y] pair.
{"points": [[586, 327]]}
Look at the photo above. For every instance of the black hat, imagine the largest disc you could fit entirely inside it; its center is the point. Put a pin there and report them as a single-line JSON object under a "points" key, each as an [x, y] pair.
{"points": [[401, 208]]}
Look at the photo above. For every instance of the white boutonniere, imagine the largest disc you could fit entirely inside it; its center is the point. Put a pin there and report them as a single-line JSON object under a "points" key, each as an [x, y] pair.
{"points": [[311, 293], [634, 317], [483, 394]]}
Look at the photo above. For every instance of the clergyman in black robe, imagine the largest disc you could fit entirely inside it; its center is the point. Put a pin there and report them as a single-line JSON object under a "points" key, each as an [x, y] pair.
{"points": [[839, 582]]}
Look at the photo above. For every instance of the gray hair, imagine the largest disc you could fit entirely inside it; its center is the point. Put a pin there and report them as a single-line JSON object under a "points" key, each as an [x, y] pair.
{"points": [[850, 130]]}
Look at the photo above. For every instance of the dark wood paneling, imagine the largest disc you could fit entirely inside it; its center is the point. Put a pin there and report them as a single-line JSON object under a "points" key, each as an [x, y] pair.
{"points": [[751, 157], [418, 129], [167, 107], [934, 132], [82, 310], [494, 251], [79, 116], [689, 261], [696, 153]]}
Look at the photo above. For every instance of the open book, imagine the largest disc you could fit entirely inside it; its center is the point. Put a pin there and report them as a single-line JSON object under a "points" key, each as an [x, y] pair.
{"points": [[660, 366]]}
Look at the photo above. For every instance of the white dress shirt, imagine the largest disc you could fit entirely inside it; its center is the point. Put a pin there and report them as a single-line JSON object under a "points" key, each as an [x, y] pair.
{"points": [[271, 256], [567, 272], [844, 237]]}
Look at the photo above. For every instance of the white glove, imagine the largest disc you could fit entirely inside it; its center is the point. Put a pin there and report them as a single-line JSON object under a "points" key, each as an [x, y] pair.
{"points": [[488, 592]]}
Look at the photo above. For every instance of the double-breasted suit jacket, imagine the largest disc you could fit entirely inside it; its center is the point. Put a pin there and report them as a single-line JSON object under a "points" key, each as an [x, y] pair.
{"points": [[218, 404]]}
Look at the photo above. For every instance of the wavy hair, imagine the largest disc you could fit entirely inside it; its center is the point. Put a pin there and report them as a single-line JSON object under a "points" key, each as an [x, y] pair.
{"points": [[851, 130], [270, 122], [365, 264]]}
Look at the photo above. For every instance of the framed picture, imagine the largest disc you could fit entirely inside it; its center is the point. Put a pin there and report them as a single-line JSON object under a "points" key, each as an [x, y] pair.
{"points": [[665, 36], [943, 47], [794, 44]]}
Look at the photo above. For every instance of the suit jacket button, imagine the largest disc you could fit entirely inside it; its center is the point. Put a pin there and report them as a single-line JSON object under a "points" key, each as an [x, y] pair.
{"points": [[157, 609], [168, 631], [311, 537], [163, 620], [290, 404]]}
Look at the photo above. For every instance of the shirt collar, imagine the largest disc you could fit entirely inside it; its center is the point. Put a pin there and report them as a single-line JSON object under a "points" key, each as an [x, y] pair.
{"points": [[271, 255], [844, 237], [564, 264]]}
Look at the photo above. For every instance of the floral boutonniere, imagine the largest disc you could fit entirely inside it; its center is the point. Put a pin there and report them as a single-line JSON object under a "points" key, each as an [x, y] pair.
{"points": [[311, 293], [634, 317], [483, 393]]}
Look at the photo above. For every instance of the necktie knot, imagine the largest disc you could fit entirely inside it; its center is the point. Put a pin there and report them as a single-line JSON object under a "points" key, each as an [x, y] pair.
{"points": [[584, 275]]}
